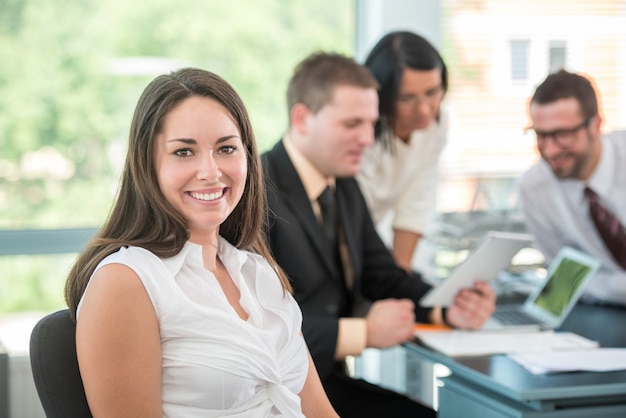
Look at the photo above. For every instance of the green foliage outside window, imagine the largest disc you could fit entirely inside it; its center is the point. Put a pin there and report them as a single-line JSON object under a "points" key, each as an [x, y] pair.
{"points": [[70, 77]]}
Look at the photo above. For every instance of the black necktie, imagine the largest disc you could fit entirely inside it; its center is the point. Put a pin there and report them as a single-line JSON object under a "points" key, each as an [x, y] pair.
{"points": [[609, 228], [332, 228], [326, 201]]}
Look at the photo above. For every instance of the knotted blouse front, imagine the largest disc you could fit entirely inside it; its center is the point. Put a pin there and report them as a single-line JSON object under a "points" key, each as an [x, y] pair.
{"points": [[214, 363]]}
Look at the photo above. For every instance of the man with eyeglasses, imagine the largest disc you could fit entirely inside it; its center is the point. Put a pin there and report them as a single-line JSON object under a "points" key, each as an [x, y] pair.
{"points": [[581, 174]]}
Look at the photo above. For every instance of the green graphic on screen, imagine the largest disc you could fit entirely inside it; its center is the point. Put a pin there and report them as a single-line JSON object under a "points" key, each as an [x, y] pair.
{"points": [[561, 287]]}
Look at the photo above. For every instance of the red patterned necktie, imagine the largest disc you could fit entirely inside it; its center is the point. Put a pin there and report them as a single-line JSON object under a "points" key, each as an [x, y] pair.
{"points": [[609, 228]]}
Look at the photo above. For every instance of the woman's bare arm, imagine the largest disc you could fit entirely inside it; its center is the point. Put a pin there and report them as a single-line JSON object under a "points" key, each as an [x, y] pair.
{"points": [[315, 403], [118, 346]]}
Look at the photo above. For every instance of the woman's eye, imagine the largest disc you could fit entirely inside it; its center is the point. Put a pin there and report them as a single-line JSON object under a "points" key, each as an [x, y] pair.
{"points": [[185, 152], [227, 149]]}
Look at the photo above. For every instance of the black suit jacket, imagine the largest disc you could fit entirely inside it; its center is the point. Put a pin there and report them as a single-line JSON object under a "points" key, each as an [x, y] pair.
{"points": [[297, 242]]}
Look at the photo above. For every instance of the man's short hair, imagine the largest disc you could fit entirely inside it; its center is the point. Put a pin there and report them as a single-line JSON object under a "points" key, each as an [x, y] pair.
{"points": [[316, 77], [563, 85]]}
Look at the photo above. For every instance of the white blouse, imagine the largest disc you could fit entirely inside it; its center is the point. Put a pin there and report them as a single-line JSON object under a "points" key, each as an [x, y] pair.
{"points": [[402, 182], [214, 363]]}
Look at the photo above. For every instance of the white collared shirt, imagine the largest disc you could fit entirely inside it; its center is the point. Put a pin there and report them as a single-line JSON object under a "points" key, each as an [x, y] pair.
{"points": [[402, 182], [214, 363]]}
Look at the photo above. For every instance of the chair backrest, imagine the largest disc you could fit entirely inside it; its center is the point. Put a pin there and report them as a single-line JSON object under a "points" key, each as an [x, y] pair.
{"points": [[55, 367]]}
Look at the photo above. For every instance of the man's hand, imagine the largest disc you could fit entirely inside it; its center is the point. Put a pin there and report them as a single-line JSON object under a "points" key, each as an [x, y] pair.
{"points": [[390, 322], [472, 307]]}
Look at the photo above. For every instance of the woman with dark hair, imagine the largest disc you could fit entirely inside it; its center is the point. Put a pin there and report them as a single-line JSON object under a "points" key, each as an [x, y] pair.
{"points": [[180, 309], [399, 173]]}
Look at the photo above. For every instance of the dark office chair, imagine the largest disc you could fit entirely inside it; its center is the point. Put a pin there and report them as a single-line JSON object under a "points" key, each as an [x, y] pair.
{"points": [[55, 367]]}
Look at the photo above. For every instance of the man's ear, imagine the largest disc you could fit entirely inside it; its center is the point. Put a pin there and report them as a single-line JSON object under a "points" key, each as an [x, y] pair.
{"points": [[595, 127], [596, 122], [299, 117]]}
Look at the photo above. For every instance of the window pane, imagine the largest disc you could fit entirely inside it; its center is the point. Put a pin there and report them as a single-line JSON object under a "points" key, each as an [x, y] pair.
{"points": [[557, 56], [71, 76], [519, 60]]}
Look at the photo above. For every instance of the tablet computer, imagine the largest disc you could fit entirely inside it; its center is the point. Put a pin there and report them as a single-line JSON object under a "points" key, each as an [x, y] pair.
{"points": [[491, 255]]}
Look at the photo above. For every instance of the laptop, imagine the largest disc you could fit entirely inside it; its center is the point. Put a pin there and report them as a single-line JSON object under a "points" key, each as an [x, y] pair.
{"points": [[550, 303]]}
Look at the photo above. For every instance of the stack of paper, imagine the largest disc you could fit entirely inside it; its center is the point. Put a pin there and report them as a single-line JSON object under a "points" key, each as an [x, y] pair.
{"points": [[599, 360], [469, 343], [537, 351]]}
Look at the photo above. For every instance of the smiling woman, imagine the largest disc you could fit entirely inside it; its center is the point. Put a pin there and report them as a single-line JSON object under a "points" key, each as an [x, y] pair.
{"points": [[173, 295], [201, 165]]}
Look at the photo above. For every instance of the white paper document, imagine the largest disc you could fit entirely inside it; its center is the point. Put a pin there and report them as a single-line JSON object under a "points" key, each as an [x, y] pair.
{"points": [[472, 343], [599, 360]]}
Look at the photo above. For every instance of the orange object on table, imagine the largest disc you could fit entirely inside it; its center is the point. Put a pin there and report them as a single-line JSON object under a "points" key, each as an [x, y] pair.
{"points": [[431, 327]]}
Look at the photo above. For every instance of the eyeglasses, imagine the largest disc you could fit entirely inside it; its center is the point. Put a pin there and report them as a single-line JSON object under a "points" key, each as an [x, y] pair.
{"points": [[411, 100], [564, 138]]}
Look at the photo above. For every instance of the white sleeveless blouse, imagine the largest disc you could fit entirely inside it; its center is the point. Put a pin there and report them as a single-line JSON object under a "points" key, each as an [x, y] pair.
{"points": [[214, 363]]}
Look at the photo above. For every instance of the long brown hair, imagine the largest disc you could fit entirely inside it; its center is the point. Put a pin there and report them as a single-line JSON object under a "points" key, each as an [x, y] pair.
{"points": [[141, 216]]}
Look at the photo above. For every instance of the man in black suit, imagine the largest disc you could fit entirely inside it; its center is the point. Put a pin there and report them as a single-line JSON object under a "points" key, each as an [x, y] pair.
{"points": [[333, 106]]}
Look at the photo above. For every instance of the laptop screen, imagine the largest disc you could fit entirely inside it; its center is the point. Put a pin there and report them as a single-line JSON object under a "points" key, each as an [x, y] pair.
{"points": [[567, 275]]}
